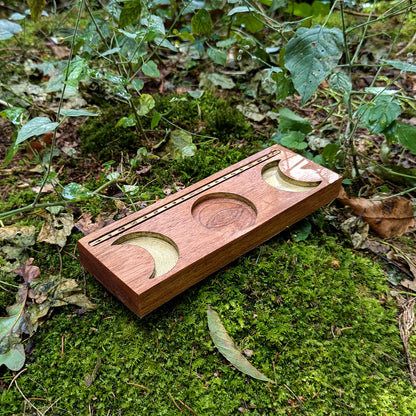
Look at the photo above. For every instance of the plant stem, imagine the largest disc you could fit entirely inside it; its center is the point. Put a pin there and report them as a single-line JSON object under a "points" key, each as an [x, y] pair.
{"points": [[71, 54], [349, 138]]}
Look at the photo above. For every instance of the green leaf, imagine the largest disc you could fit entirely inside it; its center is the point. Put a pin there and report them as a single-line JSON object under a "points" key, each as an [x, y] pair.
{"points": [[150, 69], [330, 152], [302, 231], [36, 8], [75, 191], [196, 94], [146, 103], [137, 84], [8, 29], [341, 83], [284, 86], [116, 79], [241, 9], [129, 121], [378, 114], [155, 120], [35, 127], [288, 121], [10, 154], [78, 113], [13, 115], [130, 13], [403, 66], [403, 133], [180, 144], [294, 140], [218, 56], [310, 56], [76, 71], [202, 23], [14, 358], [250, 21], [227, 348]]}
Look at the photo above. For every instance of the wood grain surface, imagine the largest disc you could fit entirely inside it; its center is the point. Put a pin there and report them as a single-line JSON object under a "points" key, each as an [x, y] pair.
{"points": [[153, 255]]}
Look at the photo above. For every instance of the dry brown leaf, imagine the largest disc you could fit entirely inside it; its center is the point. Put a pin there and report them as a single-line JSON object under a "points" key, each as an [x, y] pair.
{"points": [[28, 272], [56, 229], [86, 226], [388, 218]]}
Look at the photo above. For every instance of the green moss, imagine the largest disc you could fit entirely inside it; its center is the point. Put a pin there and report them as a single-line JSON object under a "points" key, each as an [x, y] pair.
{"points": [[101, 137], [328, 335]]}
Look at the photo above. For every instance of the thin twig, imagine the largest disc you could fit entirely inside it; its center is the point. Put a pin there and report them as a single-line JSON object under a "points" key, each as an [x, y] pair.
{"points": [[174, 402], [16, 377], [27, 400], [296, 397], [138, 385], [187, 407]]}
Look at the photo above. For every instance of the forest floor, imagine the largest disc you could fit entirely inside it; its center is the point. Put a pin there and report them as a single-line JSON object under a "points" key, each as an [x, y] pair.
{"points": [[325, 309]]}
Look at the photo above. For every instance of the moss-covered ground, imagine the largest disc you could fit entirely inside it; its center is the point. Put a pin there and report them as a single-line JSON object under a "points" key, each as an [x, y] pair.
{"points": [[318, 318], [314, 316]]}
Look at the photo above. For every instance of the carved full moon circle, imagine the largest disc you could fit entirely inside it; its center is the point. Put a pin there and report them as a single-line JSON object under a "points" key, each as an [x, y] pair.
{"points": [[224, 212]]}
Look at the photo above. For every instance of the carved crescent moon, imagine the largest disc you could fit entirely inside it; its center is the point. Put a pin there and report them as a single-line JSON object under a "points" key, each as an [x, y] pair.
{"points": [[163, 250], [273, 175]]}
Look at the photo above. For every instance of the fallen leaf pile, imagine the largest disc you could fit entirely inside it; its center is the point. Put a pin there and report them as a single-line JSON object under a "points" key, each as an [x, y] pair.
{"points": [[34, 299]]}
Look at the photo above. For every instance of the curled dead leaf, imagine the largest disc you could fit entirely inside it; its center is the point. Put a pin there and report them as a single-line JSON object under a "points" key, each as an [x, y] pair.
{"points": [[27, 271], [87, 226], [387, 218]]}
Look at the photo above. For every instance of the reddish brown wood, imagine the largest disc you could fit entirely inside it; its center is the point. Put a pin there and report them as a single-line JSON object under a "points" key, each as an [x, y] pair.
{"points": [[191, 234]]}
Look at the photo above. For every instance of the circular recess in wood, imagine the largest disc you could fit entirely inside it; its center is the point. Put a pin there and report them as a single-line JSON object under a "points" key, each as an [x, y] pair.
{"points": [[164, 251], [272, 175], [224, 212]]}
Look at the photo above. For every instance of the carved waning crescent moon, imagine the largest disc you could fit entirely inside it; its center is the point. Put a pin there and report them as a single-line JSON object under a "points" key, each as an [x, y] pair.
{"points": [[163, 250], [273, 175]]}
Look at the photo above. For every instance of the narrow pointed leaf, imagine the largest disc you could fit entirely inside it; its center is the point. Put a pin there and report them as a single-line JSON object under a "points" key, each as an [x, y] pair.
{"points": [[228, 349]]}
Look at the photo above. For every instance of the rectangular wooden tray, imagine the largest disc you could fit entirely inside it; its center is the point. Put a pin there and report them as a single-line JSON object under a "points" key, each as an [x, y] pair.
{"points": [[153, 255]]}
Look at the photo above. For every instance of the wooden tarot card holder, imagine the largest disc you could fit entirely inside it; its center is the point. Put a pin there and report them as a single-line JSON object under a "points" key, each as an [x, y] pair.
{"points": [[153, 255]]}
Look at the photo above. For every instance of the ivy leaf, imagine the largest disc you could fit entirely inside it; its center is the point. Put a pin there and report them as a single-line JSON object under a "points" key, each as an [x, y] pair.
{"points": [[130, 13], [218, 56], [137, 84], [155, 120], [146, 103], [78, 113], [180, 144], [14, 358], [35, 127], [202, 23], [14, 115], [8, 29], [150, 69], [310, 56], [36, 8], [227, 348], [11, 328], [75, 191], [380, 113]]}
